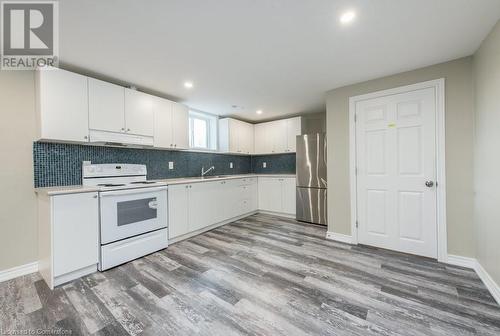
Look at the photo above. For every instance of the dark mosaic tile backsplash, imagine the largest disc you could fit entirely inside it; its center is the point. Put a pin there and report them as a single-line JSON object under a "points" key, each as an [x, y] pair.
{"points": [[61, 164]]}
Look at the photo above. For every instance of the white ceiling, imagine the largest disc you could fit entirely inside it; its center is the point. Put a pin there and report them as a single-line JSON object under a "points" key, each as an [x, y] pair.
{"points": [[280, 56]]}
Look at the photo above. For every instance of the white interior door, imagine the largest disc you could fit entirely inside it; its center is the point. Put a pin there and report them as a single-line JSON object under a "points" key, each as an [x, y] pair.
{"points": [[396, 164]]}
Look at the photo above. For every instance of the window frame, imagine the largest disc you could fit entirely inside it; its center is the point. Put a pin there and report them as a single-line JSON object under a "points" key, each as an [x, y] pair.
{"points": [[212, 130]]}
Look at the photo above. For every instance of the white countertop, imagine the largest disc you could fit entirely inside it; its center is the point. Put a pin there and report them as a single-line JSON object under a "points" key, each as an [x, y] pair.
{"points": [[54, 191]]}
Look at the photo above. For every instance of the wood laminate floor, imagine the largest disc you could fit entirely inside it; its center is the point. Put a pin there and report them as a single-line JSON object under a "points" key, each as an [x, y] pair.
{"points": [[261, 275]]}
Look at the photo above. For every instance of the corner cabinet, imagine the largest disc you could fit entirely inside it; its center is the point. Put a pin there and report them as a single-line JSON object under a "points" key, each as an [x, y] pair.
{"points": [[277, 194], [236, 136], [68, 236], [61, 105], [277, 137]]}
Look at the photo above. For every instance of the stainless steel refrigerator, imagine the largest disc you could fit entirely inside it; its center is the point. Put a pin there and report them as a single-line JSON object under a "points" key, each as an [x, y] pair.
{"points": [[311, 178]]}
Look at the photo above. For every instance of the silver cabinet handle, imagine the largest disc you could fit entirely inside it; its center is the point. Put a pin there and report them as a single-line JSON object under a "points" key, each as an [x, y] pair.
{"points": [[153, 205], [429, 184], [123, 129], [128, 129]]}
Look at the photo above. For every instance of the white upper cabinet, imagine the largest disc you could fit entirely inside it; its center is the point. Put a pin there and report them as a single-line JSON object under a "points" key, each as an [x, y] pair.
{"points": [[293, 128], [163, 130], [263, 142], [106, 106], [236, 136], [180, 126], [62, 105], [171, 124], [139, 113], [277, 136]]}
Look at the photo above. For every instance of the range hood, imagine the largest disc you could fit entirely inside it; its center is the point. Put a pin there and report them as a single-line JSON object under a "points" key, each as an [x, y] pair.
{"points": [[103, 137]]}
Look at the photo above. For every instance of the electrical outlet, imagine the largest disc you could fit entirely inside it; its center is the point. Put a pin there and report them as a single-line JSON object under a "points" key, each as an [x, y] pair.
{"points": [[170, 165], [231, 165], [264, 164]]}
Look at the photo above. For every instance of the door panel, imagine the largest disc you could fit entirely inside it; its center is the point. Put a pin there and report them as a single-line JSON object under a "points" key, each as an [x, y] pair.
{"points": [[139, 113], [106, 106], [178, 211], [410, 215], [311, 168], [202, 205], [395, 145], [76, 232], [62, 102], [180, 126], [312, 214], [293, 128], [289, 199], [162, 111], [270, 194]]}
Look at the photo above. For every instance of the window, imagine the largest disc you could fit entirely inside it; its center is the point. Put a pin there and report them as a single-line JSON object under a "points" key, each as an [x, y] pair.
{"points": [[202, 131]]}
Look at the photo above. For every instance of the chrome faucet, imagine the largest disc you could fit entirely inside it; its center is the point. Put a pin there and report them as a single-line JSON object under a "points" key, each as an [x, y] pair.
{"points": [[205, 172]]}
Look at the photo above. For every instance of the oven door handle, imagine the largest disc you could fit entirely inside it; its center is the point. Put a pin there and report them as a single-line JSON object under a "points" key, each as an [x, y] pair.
{"points": [[153, 204], [131, 191]]}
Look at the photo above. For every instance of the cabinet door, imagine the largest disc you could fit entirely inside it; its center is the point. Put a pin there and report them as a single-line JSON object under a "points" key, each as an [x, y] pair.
{"points": [[139, 113], [279, 136], [262, 138], [288, 195], [62, 103], [75, 221], [162, 111], [180, 126], [178, 210], [270, 194], [293, 128], [202, 205], [246, 140], [106, 106], [235, 127]]}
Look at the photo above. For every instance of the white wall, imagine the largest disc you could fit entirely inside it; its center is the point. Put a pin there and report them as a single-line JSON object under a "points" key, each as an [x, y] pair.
{"points": [[459, 142], [18, 230], [487, 154]]}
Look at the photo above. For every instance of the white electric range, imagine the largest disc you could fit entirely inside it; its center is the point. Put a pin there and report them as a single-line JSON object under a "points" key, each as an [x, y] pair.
{"points": [[133, 212]]}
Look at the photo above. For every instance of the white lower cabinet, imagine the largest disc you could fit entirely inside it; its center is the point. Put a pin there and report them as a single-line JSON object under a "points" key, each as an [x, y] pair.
{"points": [[195, 206], [68, 236], [178, 209], [277, 194]]}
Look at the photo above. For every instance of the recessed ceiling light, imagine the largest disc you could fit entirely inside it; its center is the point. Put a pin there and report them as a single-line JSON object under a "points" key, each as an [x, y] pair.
{"points": [[347, 17], [188, 85], [259, 112]]}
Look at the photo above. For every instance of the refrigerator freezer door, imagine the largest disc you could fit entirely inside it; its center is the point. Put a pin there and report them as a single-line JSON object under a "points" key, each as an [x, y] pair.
{"points": [[311, 205], [311, 160]]}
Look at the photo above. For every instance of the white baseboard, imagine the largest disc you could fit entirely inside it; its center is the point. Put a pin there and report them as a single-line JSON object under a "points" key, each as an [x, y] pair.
{"points": [[18, 271], [339, 237], [461, 261], [488, 281]]}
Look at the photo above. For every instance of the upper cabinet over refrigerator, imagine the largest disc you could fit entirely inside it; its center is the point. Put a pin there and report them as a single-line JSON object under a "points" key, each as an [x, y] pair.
{"points": [[277, 137]]}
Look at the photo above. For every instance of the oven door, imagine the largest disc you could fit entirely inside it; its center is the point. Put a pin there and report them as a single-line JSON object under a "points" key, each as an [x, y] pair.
{"points": [[131, 212]]}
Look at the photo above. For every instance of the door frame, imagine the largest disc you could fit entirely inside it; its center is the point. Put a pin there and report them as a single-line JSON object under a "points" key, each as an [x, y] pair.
{"points": [[439, 87]]}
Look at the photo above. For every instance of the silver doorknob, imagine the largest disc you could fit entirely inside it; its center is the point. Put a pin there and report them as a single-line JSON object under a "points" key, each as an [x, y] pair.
{"points": [[429, 184]]}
